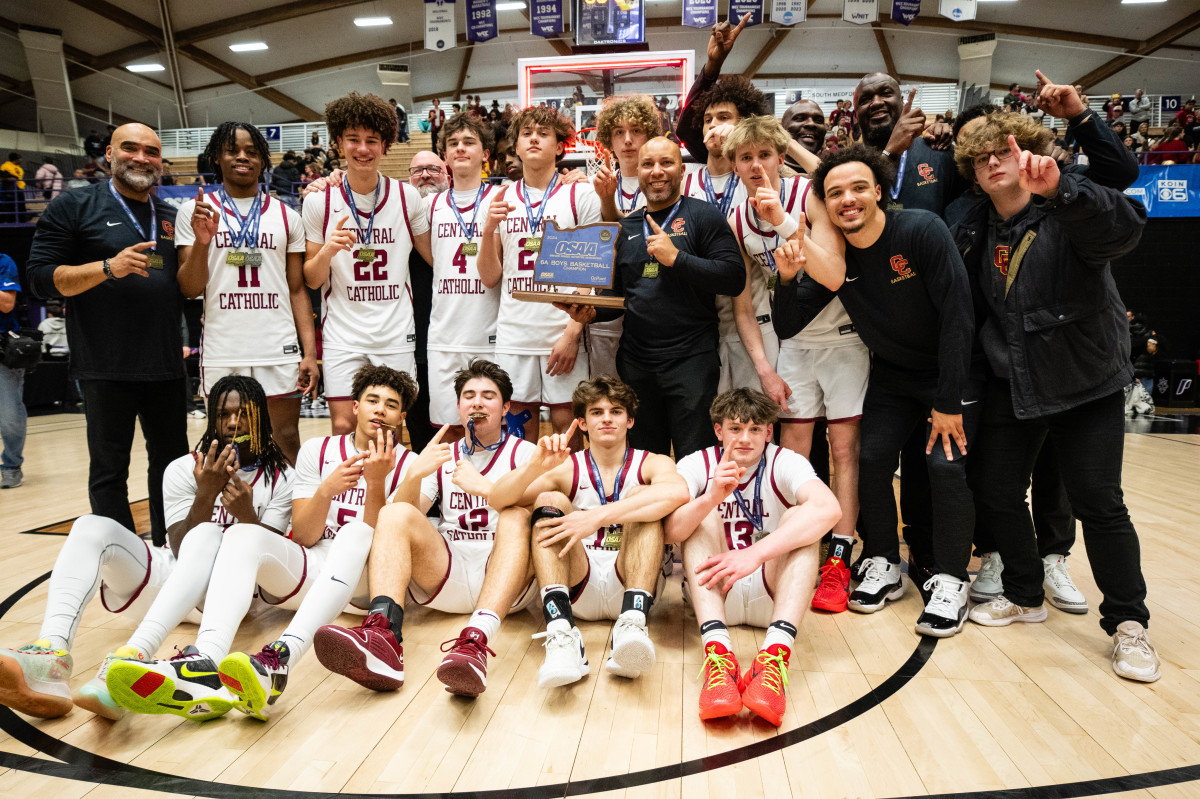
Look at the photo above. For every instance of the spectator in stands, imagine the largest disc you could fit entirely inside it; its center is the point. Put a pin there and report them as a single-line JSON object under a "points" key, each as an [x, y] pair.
{"points": [[842, 112], [167, 179], [1141, 136], [1139, 110], [1114, 109], [14, 168], [1186, 116], [285, 176], [401, 122], [49, 179], [437, 118], [1119, 129], [1129, 143], [1143, 364], [314, 151], [1014, 100], [93, 145], [78, 181], [1059, 141], [1171, 150], [54, 331], [12, 382], [12, 199]]}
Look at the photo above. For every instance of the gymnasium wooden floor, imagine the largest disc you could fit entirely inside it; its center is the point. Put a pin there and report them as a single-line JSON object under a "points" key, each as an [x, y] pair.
{"points": [[873, 709]]}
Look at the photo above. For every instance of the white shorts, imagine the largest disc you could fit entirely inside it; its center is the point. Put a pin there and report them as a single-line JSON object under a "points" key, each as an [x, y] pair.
{"points": [[339, 367], [737, 370], [827, 383], [137, 604], [602, 342], [443, 402], [603, 590], [750, 601], [460, 587], [278, 380], [312, 563], [531, 384]]}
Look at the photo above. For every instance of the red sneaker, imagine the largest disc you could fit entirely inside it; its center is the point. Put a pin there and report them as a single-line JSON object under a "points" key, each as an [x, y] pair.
{"points": [[464, 669], [719, 695], [370, 654], [834, 590], [762, 686]]}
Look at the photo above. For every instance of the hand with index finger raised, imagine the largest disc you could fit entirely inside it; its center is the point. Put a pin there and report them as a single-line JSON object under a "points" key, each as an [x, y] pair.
{"points": [[659, 245], [498, 211], [204, 219]]}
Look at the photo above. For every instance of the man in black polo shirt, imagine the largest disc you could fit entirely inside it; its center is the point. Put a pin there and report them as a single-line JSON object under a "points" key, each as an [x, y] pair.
{"points": [[109, 249], [673, 257]]}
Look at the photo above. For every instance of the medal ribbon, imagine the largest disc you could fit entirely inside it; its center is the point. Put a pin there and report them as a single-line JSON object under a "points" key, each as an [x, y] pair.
{"points": [[646, 225], [364, 236], [756, 519], [598, 479], [468, 232], [153, 235], [621, 197], [245, 235], [895, 191], [726, 198], [476, 444], [767, 248], [535, 222]]}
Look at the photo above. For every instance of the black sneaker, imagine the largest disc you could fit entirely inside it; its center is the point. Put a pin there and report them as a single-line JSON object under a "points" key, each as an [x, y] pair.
{"points": [[882, 581], [946, 611], [920, 575]]}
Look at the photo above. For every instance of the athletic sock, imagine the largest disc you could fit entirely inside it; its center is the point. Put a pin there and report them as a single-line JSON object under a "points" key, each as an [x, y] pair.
{"points": [[487, 621], [715, 631], [556, 605], [780, 632], [57, 642], [842, 548], [392, 611], [636, 605]]}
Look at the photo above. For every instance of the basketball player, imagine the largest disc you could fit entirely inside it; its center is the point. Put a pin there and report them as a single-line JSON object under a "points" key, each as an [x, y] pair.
{"points": [[823, 368], [246, 256], [462, 323], [617, 569], [359, 238], [749, 559], [341, 484], [237, 474], [474, 560], [536, 343]]}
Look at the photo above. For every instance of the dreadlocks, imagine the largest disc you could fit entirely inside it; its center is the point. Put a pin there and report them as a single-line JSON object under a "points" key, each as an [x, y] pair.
{"points": [[225, 137], [254, 407]]}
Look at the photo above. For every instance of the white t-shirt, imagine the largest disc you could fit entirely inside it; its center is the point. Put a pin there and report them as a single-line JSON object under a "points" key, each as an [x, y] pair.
{"points": [[463, 318], [783, 474], [585, 494], [272, 499], [248, 317], [319, 457], [466, 517], [366, 306]]}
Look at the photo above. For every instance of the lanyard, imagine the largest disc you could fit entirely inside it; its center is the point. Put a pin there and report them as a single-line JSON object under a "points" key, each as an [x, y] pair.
{"points": [[535, 222], [621, 197], [671, 215], [756, 515], [900, 176], [137, 225], [726, 198], [364, 235], [768, 250], [468, 232], [476, 444], [598, 479], [245, 236]]}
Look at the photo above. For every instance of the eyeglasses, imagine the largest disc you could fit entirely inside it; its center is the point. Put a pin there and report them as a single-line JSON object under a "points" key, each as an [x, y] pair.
{"points": [[983, 160], [433, 170]]}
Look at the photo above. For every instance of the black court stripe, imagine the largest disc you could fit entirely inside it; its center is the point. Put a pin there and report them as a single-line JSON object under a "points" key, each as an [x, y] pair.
{"points": [[42, 530]]}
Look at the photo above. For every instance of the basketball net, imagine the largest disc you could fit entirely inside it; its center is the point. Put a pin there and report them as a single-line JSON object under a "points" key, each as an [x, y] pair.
{"points": [[595, 154]]}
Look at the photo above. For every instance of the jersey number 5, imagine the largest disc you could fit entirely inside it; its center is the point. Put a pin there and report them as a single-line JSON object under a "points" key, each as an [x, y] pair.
{"points": [[371, 270]]}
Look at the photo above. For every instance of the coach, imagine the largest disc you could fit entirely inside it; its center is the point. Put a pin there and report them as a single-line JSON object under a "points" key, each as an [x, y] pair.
{"points": [[109, 249]]}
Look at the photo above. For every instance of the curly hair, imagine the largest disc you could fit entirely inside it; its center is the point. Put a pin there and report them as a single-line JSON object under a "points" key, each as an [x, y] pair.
{"points": [[225, 137], [635, 110], [974, 112], [400, 382], [993, 134], [486, 370], [616, 391], [564, 130], [736, 89], [757, 129], [879, 164], [368, 111], [253, 405], [746, 405], [466, 122]]}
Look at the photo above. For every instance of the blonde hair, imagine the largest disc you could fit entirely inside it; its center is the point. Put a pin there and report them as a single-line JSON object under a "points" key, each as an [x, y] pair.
{"points": [[635, 109], [757, 130], [993, 134]]}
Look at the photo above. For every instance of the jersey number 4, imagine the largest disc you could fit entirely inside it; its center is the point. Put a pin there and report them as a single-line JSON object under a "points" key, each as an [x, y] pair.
{"points": [[371, 270]]}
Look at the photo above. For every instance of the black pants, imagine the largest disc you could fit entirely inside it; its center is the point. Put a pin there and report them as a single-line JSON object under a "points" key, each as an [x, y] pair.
{"points": [[1052, 519], [111, 406], [673, 402], [894, 406], [420, 431], [1089, 441]]}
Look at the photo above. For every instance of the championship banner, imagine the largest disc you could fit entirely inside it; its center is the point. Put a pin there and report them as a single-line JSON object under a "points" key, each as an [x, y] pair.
{"points": [[957, 10], [481, 20], [699, 13], [1168, 191], [547, 18], [905, 11], [440, 31], [740, 8], [860, 12], [788, 12]]}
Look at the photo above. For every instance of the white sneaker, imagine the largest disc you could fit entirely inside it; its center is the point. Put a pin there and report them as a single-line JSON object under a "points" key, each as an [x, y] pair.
{"points": [[632, 649], [1134, 657], [946, 611], [882, 581], [93, 695], [988, 584], [1060, 589], [999, 612], [565, 659], [35, 680]]}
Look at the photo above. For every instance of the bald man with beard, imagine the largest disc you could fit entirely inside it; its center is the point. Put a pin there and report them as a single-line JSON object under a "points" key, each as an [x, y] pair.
{"points": [[108, 249]]}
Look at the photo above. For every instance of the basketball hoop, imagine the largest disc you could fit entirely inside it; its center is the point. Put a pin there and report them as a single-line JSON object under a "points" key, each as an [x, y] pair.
{"points": [[594, 153]]}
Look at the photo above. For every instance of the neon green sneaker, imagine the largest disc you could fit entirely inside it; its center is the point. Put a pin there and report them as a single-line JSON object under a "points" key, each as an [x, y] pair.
{"points": [[187, 686], [93, 695], [35, 680], [256, 680]]}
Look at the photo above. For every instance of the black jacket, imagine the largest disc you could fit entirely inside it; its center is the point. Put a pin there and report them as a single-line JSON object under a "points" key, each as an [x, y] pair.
{"points": [[1056, 321]]}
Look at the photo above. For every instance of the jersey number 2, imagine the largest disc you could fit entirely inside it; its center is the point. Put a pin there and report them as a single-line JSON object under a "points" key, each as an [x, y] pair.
{"points": [[371, 270]]}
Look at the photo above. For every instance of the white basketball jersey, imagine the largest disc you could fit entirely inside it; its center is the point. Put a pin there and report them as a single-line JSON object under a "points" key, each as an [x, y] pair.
{"points": [[783, 473], [366, 305], [694, 185], [532, 328], [463, 318], [248, 317], [628, 198], [272, 499], [585, 494], [466, 517], [319, 457]]}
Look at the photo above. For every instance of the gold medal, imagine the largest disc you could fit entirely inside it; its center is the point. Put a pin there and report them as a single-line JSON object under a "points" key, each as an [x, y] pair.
{"points": [[612, 537], [650, 269], [772, 282], [895, 206], [470, 249], [235, 258], [533, 244], [155, 261], [366, 254]]}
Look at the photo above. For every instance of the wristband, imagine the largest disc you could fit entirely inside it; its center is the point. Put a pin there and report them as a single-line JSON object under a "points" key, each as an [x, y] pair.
{"points": [[886, 154], [108, 270], [787, 227]]}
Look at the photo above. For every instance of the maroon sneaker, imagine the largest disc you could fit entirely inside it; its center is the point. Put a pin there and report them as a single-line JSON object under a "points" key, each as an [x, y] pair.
{"points": [[370, 655], [464, 669]]}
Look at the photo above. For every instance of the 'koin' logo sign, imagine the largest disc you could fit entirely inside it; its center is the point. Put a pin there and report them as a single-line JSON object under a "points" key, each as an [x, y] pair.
{"points": [[1172, 191]]}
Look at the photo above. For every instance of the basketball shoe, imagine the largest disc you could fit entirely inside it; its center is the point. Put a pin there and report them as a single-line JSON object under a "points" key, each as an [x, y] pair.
{"points": [[833, 592], [369, 654], [881, 582], [35, 680], [1133, 656], [1061, 590], [946, 611], [566, 662], [632, 649], [989, 582], [464, 669], [720, 694], [186, 685], [762, 686], [93, 695], [256, 680]]}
